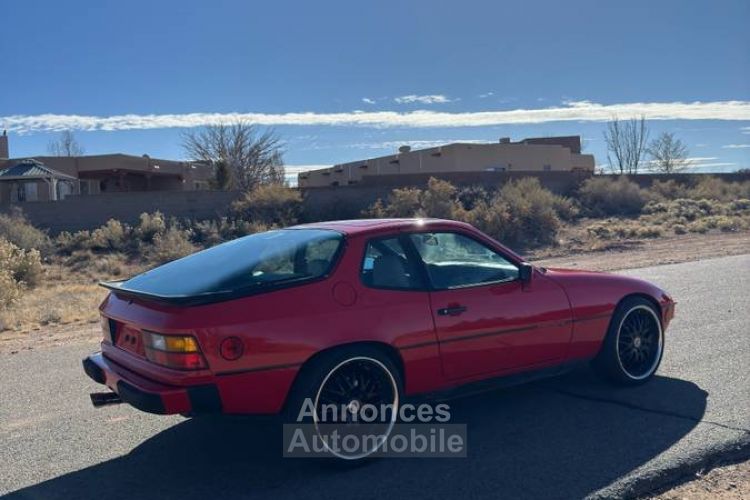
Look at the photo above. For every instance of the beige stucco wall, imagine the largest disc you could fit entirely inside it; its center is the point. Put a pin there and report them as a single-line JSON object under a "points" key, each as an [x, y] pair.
{"points": [[509, 157], [120, 172]]}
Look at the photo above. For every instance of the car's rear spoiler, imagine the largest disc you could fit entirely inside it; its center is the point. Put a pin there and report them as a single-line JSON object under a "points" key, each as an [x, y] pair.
{"points": [[176, 300], [119, 289]]}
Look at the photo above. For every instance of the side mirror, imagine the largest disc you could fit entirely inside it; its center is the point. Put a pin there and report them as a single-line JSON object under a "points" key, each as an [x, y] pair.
{"points": [[525, 272]]}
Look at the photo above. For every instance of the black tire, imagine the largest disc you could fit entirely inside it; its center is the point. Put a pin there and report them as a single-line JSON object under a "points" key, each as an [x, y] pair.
{"points": [[633, 348], [313, 376]]}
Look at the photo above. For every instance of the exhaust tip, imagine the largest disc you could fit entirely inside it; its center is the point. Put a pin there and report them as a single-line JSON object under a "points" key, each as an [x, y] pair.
{"points": [[99, 399]]}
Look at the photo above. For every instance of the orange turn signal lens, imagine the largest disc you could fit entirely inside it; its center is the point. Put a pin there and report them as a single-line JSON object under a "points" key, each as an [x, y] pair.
{"points": [[174, 351], [172, 343]]}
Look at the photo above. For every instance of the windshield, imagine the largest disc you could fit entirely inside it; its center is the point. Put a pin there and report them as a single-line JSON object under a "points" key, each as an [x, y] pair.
{"points": [[257, 261]]}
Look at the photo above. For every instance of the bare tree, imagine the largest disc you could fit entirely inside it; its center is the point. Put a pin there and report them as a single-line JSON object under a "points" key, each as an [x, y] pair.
{"points": [[65, 145], [252, 157], [668, 153], [626, 144]]}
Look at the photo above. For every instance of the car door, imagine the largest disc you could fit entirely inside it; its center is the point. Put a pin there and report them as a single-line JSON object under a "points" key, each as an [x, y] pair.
{"points": [[486, 319]]}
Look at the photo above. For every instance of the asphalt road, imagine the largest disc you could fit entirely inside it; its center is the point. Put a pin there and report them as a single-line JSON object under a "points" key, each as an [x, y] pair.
{"points": [[563, 438]]}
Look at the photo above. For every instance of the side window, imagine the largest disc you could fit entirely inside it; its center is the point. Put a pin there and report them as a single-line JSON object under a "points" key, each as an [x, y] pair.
{"points": [[455, 261], [386, 266]]}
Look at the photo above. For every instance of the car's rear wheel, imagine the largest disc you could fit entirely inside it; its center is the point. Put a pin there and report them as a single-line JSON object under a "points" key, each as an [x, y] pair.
{"points": [[634, 345], [352, 391]]}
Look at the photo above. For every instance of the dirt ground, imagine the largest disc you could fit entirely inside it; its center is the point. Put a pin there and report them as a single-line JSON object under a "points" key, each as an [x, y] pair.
{"points": [[731, 482], [643, 253]]}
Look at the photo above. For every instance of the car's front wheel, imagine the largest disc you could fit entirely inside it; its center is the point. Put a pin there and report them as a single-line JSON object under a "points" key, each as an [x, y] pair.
{"points": [[634, 345], [352, 392]]}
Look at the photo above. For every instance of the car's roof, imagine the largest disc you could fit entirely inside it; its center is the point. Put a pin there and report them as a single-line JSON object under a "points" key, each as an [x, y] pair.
{"points": [[359, 226]]}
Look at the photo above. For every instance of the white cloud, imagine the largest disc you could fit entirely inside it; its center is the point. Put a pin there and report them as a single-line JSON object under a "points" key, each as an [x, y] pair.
{"points": [[367, 100], [422, 99], [736, 146], [745, 130], [486, 95], [584, 111]]}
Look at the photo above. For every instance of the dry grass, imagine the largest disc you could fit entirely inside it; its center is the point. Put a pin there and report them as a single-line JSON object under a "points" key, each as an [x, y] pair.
{"points": [[54, 305], [69, 294]]}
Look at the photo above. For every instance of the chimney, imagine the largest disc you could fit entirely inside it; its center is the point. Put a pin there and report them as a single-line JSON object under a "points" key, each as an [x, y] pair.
{"points": [[404, 149], [505, 140], [4, 151]]}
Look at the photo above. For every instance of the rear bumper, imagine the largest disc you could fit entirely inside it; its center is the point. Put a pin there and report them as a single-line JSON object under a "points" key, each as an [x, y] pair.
{"points": [[150, 396]]}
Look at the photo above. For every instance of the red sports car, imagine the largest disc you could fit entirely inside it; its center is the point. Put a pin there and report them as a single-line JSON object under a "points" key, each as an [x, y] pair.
{"points": [[362, 311]]}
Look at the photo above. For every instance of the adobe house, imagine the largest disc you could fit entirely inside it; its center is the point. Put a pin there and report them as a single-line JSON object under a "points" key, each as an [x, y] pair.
{"points": [[539, 154], [94, 174]]}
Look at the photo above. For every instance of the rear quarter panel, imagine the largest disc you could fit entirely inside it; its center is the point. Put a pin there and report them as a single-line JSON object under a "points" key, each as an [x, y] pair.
{"points": [[281, 330]]}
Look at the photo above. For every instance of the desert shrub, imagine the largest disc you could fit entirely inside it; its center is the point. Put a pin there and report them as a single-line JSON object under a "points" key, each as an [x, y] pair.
{"points": [[689, 210], [149, 226], [172, 244], [667, 190], [602, 196], [713, 188], [470, 196], [566, 208], [271, 204], [739, 206], [679, 229], [66, 243], [699, 226], [522, 214], [16, 229], [112, 236], [438, 200], [23, 266], [724, 223], [10, 290], [402, 202], [649, 232], [206, 233]]}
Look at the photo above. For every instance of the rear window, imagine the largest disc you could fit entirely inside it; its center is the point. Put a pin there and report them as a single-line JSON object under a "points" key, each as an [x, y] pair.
{"points": [[258, 261]]}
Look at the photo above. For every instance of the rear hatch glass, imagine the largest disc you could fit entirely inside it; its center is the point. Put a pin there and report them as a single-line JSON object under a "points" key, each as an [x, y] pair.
{"points": [[257, 262]]}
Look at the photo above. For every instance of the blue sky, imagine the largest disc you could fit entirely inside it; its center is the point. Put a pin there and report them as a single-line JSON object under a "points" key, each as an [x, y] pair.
{"points": [[346, 80]]}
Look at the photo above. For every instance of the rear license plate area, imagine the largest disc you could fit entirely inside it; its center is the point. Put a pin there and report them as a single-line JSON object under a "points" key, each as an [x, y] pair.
{"points": [[130, 339]]}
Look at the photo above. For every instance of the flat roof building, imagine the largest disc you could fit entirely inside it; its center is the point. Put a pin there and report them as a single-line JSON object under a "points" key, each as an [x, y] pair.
{"points": [[532, 155], [28, 179]]}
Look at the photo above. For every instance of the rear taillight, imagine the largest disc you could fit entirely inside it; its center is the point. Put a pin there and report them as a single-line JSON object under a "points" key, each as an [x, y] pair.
{"points": [[173, 351]]}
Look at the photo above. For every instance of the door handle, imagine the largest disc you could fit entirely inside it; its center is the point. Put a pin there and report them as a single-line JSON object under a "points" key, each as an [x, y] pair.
{"points": [[451, 310]]}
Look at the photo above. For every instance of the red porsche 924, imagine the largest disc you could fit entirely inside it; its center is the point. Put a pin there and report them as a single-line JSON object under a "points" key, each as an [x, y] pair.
{"points": [[362, 311]]}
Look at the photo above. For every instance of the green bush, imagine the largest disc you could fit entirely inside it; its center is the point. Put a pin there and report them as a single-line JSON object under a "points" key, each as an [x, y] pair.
{"points": [[602, 196], [270, 204], [16, 229]]}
